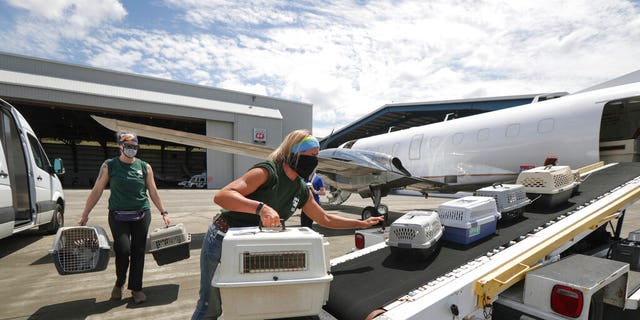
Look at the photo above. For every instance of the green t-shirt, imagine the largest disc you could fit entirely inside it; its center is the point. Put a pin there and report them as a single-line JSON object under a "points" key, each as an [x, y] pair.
{"points": [[128, 185], [279, 193]]}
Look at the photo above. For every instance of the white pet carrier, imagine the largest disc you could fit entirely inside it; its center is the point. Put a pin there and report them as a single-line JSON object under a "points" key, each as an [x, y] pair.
{"points": [[548, 186], [169, 244], [511, 199], [80, 249], [469, 219], [259, 270], [416, 233]]}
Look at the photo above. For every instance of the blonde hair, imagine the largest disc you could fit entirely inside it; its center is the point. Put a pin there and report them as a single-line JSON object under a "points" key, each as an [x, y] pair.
{"points": [[293, 138]]}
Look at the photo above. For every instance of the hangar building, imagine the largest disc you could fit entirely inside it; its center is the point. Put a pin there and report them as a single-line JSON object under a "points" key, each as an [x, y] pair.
{"points": [[58, 98]]}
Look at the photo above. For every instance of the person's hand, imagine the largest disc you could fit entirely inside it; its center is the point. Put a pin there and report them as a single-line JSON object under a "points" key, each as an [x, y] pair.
{"points": [[167, 221], [269, 217], [372, 221], [83, 220]]}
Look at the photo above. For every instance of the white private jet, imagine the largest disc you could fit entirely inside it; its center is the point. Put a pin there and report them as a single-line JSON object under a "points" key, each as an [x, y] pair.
{"points": [[599, 124]]}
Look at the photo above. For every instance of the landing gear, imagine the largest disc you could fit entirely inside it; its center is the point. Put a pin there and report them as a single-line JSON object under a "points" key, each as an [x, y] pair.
{"points": [[337, 196], [377, 209]]}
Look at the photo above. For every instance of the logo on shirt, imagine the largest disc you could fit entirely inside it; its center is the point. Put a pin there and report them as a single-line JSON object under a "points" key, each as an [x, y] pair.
{"points": [[139, 173], [294, 204]]}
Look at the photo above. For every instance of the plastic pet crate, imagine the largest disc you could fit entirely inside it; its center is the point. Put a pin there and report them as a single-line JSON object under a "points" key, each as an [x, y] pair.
{"points": [[548, 186], [261, 269], [168, 245], [511, 199], [469, 219], [417, 233], [80, 249]]}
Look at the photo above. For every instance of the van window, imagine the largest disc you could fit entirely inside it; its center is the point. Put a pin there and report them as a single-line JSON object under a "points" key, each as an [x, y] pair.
{"points": [[38, 154], [513, 130], [414, 148]]}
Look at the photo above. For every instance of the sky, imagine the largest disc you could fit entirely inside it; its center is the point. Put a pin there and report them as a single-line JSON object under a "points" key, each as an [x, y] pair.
{"points": [[347, 58]]}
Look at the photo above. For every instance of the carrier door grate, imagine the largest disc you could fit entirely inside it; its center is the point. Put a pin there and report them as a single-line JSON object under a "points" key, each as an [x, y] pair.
{"points": [[256, 262]]}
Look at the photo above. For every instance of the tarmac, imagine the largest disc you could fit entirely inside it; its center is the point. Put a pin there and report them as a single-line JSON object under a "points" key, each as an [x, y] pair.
{"points": [[31, 288]]}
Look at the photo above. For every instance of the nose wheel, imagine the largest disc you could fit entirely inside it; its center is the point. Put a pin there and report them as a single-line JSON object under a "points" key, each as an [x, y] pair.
{"points": [[371, 211]]}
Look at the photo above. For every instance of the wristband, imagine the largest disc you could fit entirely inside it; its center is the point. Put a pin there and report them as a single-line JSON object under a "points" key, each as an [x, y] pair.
{"points": [[164, 213], [259, 208]]}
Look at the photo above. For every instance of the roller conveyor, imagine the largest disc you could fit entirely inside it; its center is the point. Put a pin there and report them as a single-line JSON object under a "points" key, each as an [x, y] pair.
{"points": [[371, 281]]}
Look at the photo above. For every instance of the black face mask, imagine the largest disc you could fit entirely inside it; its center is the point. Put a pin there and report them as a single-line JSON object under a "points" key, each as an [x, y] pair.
{"points": [[302, 164]]}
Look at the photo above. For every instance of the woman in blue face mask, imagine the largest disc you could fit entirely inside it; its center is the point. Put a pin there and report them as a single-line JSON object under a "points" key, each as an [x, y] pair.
{"points": [[129, 212], [270, 191]]}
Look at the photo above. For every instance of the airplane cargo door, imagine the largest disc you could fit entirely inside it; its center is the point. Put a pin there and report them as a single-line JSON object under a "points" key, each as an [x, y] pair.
{"points": [[620, 131]]}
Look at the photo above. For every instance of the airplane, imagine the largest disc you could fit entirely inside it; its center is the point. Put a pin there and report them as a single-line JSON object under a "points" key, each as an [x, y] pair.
{"points": [[602, 123]]}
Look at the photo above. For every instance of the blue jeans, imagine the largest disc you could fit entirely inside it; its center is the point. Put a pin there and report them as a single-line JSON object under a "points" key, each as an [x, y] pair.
{"points": [[209, 305]]}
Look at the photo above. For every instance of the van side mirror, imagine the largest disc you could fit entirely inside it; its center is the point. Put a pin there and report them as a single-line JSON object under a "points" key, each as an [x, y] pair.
{"points": [[58, 168]]}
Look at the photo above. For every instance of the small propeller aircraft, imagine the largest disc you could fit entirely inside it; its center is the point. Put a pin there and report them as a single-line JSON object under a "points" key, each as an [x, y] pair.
{"points": [[599, 124]]}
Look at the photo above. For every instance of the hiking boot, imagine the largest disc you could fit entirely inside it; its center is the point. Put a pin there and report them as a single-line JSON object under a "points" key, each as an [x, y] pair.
{"points": [[138, 297], [116, 293]]}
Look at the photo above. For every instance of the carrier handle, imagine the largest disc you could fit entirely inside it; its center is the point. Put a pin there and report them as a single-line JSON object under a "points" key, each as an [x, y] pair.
{"points": [[282, 226], [495, 184]]}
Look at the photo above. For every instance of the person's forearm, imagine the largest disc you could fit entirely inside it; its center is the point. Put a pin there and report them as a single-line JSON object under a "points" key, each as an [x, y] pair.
{"points": [[234, 201], [91, 202]]}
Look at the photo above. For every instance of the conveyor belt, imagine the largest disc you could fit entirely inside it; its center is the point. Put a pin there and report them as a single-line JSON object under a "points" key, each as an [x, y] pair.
{"points": [[371, 281]]}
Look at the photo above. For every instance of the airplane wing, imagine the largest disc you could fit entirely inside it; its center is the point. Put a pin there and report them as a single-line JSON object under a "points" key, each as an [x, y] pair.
{"points": [[334, 162]]}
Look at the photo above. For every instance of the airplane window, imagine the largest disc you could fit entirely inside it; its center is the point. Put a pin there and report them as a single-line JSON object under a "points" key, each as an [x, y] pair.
{"points": [[483, 134], [457, 138], [414, 148], [435, 141], [395, 149], [513, 130], [545, 125]]}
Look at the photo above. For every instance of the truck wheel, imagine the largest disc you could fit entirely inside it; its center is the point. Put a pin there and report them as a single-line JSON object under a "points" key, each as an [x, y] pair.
{"points": [[57, 221]]}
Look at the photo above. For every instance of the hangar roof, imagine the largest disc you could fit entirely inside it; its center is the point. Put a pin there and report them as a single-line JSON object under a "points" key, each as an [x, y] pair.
{"points": [[398, 116], [110, 91]]}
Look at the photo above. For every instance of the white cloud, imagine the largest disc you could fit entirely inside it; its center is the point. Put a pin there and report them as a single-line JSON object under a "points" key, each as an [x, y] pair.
{"points": [[348, 59]]}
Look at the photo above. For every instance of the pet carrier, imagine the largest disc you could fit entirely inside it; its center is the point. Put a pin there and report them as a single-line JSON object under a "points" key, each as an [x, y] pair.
{"points": [[260, 269], [511, 199], [548, 186], [468, 219], [169, 244], [80, 249], [417, 233]]}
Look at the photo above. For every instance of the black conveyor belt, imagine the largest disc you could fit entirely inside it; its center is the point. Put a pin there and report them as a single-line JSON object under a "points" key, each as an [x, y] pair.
{"points": [[369, 282]]}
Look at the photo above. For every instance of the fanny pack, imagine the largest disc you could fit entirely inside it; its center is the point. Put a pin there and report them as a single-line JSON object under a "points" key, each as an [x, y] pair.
{"points": [[128, 215]]}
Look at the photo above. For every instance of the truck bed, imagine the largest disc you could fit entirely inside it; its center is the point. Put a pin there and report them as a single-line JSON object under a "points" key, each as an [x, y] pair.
{"points": [[371, 281]]}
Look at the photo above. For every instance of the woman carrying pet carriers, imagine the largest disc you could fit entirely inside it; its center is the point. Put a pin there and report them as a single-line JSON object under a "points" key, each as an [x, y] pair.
{"points": [[129, 179]]}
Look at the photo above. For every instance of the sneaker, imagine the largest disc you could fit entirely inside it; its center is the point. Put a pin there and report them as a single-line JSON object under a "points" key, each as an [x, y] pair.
{"points": [[116, 293], [138, 296]]}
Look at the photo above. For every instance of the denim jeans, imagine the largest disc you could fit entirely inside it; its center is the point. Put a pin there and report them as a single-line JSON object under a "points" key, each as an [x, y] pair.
{"points": [[209, 305]]}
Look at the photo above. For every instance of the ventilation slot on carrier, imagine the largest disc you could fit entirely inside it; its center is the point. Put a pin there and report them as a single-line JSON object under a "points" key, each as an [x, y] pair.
{"points": [[256, 262]]}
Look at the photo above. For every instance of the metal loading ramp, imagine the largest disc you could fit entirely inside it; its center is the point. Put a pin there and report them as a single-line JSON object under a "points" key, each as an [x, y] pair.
{"points": [[371, 281]]}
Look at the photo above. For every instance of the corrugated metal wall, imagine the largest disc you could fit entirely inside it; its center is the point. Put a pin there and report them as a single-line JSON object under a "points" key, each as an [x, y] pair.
{"points": [[177, 165]]}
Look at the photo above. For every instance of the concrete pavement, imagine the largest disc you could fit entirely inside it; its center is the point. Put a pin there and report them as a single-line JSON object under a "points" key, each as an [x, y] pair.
{"points": [[30, 287]]}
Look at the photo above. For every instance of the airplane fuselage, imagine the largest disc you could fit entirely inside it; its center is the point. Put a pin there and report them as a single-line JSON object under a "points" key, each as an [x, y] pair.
{"points": [[493, 146]]}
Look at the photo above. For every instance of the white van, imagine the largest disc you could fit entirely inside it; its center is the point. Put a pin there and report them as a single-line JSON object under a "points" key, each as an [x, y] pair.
{"points": [[30, 192]]}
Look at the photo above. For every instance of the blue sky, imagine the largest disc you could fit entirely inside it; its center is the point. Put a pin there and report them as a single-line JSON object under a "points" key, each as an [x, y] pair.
{"points": [[347, 58]]}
